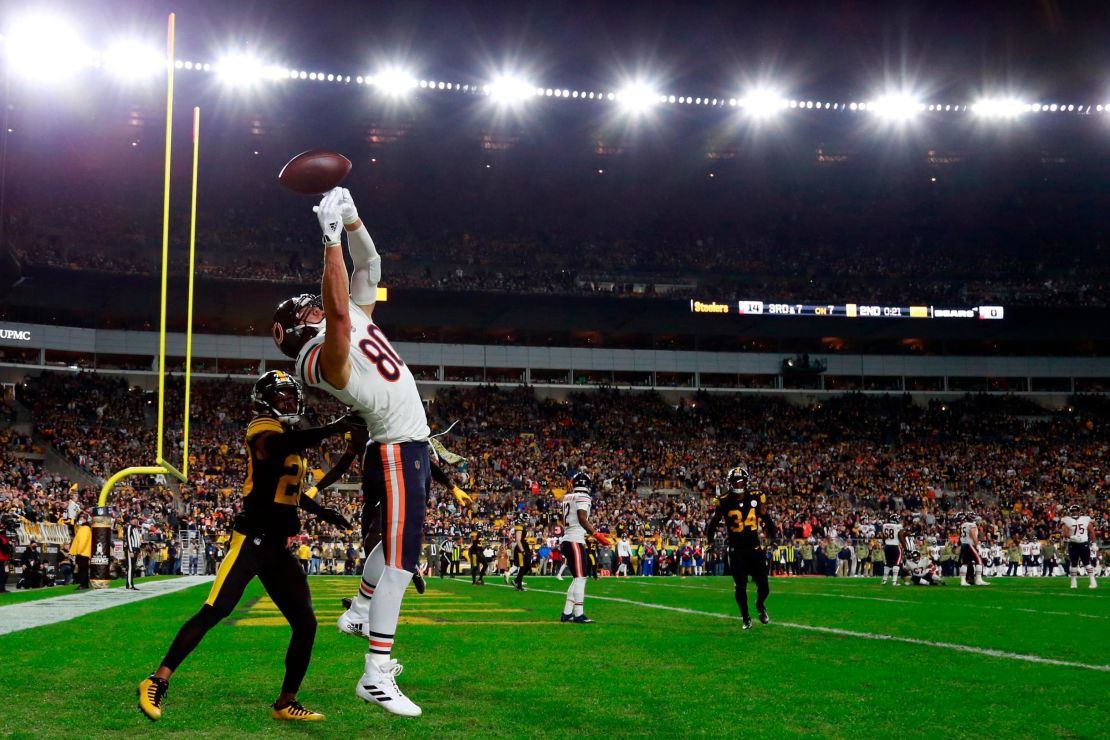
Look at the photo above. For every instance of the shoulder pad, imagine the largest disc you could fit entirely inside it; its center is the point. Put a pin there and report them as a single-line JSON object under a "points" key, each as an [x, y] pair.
{"points": [[308, 361], [263, 424]]}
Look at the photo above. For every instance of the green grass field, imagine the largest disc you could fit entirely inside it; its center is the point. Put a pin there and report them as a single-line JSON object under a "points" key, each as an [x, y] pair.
{"points": [[666, 658]]}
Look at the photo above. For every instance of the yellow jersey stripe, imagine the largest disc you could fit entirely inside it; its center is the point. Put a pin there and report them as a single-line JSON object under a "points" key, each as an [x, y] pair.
{"points": [[263, 424], [225, 567]]}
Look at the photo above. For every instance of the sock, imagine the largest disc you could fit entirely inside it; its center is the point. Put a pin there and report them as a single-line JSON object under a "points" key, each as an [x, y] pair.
{"points": [[578, 586], [385, 610], [978, 572], [886, 572], [562, 569], [894, 572], [568, 607], [371, 576]]}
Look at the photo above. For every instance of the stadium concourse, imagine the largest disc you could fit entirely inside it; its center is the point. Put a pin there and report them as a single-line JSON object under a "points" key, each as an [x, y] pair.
{"points": [[831, 470]]}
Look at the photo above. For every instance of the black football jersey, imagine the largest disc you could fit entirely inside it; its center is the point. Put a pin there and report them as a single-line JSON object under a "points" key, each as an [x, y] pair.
{"points": [[272, 489], [742, 513]]}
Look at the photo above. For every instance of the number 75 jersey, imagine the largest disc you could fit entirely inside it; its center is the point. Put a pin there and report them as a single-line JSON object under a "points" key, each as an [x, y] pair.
{"points": [[381, 388], [742, 513]]}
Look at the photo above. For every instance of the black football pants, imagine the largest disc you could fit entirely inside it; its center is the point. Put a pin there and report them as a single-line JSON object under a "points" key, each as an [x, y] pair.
{"points": [[745, 562]]}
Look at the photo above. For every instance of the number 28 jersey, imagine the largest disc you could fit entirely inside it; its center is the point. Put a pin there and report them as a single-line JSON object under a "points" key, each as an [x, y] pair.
{"points": [[381, 388], [742, 513]]}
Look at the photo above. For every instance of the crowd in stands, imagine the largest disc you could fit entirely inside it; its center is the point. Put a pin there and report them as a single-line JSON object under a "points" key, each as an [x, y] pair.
{"points": [[831, 469], [1011, 248]]}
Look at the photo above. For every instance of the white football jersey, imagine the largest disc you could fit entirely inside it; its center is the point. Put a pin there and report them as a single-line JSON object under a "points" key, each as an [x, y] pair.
{"points": [[1079, 528], [890, 533], [919, 568], [965, 532], [381, 388], [572, 503], [1026, 548]]}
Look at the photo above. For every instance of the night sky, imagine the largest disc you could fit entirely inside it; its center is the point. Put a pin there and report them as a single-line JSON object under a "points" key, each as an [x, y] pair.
{"points": [[825, 49]]}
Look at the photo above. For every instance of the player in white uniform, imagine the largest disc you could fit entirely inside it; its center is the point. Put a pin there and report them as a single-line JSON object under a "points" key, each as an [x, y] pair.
{"points": [[350, 358], [922, 571], [969, 552], [1076, 526], [576, 526], [894, 544]]}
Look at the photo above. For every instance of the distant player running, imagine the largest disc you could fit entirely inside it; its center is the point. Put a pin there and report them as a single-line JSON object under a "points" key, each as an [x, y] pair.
{"points": [[745, 512], [576, 525], [969, 552], [271, 497], [1076, 526]]}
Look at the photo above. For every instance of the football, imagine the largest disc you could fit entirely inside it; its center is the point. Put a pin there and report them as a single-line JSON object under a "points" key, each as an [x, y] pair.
{"points": [[314, 172]]}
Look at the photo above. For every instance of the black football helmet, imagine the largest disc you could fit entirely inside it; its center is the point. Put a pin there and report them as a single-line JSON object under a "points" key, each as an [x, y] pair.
{"points": [[1075, 510], [582, 479], [738, 479], [915, 555], [894, 519], [278, 394], [290, 330]]}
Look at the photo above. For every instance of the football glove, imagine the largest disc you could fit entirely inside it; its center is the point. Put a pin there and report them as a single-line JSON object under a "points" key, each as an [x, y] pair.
{"points": [[603, 539], [347, 206], [461, 496], [331, 516], [330, 216]]}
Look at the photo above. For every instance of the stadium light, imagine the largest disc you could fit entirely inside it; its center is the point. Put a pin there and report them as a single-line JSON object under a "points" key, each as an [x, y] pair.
{"points": [[636, 98], [394, 81], [762, 102], [133, 60], [508, 90], [896, 107], [239, 69], [999, 107], [46, 48]]}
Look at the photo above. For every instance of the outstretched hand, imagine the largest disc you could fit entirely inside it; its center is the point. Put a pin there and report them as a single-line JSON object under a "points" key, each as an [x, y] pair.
{"points": [[330, 215]]}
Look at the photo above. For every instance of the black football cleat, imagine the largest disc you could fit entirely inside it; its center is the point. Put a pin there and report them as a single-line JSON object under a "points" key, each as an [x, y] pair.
{"points": [[419, 582], [565, 617], [747, 623], [763, 618], [582, 619]]}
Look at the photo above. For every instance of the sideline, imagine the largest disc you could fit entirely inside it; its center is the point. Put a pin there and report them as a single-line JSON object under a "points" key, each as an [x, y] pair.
{"points": [[30, 614], [850, 633]]}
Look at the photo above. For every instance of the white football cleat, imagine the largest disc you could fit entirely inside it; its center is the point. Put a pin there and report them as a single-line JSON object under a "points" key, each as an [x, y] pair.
{"points": [[963, 582], [378, 685], [980, 582], [350, 623]]}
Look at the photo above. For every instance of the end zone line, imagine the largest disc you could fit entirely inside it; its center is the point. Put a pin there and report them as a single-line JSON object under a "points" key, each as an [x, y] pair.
{"points": [[62, 608], [909, 602], [991, 653]]}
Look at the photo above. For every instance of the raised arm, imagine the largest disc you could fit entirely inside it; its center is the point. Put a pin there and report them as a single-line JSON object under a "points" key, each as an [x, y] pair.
{"points": [[335, 363]]}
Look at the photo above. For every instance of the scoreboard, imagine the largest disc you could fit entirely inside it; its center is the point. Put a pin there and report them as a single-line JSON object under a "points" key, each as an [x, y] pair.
{"points": [[846, 310]]}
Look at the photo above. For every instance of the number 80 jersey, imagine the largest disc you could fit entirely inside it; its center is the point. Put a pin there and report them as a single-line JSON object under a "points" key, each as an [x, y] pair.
{"points": [[381, 388]]}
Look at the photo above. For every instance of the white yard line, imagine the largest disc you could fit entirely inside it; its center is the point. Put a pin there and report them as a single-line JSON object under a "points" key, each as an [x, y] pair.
{"points": [[28, 614], [852, 633]]}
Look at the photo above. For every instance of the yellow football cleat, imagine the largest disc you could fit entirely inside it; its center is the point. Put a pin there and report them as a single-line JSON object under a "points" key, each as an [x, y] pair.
{"points": [[294, 712], [152, 691]]}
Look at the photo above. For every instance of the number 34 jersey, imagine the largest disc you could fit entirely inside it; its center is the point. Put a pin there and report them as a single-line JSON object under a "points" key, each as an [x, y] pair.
{"points": [[742, 514], [381, 388]]}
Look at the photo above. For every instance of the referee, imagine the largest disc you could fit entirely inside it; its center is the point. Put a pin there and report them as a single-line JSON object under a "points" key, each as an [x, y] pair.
{"points": [[132, 541]]}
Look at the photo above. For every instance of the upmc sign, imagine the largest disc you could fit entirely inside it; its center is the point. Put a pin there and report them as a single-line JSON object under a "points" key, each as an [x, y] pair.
{"points": [[20, 335]]}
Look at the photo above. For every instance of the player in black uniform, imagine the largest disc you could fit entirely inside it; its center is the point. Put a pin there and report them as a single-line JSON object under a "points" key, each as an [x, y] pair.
{"points": [[522, 554], [744, 511], [271, 498]]}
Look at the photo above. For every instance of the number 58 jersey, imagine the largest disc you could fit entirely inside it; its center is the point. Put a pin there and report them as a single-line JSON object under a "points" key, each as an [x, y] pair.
{"points": [[381, 388]]}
